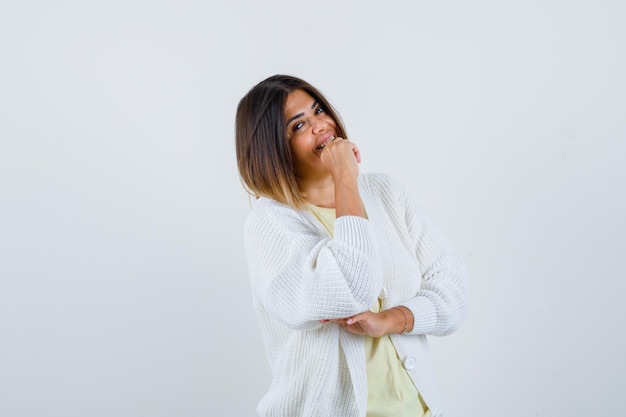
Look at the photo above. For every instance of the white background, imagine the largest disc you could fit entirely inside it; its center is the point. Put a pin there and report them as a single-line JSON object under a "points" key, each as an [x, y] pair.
{"points": [[123, 283]]}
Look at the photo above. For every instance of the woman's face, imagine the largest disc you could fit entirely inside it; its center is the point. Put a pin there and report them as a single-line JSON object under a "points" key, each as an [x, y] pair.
{"points": [[309, 127]]}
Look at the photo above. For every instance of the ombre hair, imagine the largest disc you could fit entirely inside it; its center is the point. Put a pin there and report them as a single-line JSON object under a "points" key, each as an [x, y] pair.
{"points": [[264, 158]]}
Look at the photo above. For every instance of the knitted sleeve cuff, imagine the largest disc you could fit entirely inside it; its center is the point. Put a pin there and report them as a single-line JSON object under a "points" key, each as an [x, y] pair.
{"points": [[424, 315]]}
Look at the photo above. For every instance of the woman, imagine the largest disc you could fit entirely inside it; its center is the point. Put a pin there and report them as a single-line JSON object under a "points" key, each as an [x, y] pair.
{"points": [[349, 274]]}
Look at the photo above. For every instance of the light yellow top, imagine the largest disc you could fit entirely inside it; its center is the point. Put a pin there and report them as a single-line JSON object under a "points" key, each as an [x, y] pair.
{"points": [[391, 392]]}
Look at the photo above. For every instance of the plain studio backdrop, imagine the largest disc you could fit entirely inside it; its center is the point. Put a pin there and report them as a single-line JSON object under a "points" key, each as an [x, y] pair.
{"points": [[123, 282]]}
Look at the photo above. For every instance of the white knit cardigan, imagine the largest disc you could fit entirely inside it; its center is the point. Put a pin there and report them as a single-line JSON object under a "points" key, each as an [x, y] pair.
{"points": [[301, 275]]}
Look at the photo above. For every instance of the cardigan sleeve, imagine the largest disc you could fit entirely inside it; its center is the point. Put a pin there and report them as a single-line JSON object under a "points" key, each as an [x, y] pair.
{"points": [[441, 304], [300, 277]]}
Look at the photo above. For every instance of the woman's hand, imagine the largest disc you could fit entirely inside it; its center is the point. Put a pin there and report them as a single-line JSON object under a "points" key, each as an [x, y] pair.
{"points": [[373, 324], [340, 156]]}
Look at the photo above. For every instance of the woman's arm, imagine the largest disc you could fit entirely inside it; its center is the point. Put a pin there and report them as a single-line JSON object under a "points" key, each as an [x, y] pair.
{"points": [[441, 305], [301, 278]]}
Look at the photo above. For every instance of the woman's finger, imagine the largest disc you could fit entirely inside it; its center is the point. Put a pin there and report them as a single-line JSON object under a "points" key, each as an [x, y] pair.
{"points": [[357, 154]]}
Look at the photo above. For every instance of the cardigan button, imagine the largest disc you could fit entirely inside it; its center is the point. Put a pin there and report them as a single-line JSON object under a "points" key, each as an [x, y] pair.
{"points": [[383, 293], [409, 362]]}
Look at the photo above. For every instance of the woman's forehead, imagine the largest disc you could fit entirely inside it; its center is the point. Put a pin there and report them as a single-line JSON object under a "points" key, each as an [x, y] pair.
{"points": [[298, 101]]}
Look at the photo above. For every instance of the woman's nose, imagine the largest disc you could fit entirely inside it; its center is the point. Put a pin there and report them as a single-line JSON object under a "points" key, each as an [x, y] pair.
{"points": [[319, 125]]}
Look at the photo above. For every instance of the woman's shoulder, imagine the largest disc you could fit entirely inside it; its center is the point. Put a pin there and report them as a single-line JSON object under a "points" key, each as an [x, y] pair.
{"points": [[266, 207], [379, 182], [266, 212]]}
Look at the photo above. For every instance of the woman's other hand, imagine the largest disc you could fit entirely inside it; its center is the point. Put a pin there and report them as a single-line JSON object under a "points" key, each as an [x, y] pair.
{"points": [[373, 324]]}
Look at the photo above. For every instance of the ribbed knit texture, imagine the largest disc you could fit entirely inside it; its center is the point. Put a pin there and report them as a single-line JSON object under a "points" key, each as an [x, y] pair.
{"points": [[301, 275]]}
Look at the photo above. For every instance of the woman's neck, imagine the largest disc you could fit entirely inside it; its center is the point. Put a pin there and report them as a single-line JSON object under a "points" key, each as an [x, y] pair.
{"points": [[319, 192], [341, 193]]}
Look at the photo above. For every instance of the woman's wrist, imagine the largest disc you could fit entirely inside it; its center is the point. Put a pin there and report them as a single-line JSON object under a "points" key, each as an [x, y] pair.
{"points": [[403, 321], [348, 199]]}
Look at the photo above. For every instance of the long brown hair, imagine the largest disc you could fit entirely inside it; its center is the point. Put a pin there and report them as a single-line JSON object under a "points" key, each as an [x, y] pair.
{"points": [[264, 158]]}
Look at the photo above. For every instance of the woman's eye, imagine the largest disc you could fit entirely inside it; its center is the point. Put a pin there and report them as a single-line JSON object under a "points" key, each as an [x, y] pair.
{"points": [[297, 126], [319, 110]]}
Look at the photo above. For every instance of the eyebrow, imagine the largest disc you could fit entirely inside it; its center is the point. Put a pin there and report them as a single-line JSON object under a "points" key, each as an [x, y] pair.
{"points": [[291, 119]]}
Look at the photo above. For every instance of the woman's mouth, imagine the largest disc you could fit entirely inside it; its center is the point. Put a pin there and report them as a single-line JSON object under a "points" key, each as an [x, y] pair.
{"points": [[323, 145]]}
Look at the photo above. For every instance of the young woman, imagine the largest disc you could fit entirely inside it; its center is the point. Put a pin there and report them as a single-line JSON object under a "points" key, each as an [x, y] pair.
{"points": [[349, 274]]}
